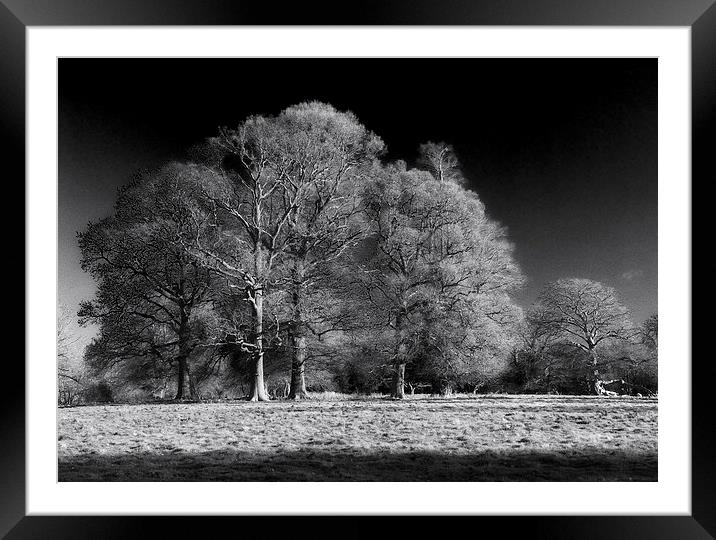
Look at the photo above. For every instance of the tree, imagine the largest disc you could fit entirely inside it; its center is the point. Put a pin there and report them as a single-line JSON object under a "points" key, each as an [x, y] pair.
{"points": [[631, 366], [150, 291], [276, 208], [233, 343], [440, 161], [441, 270], [584, 313], [70, 376], [333, 150], [65, 339], [245, 206], [650, 332], [643, 362]]}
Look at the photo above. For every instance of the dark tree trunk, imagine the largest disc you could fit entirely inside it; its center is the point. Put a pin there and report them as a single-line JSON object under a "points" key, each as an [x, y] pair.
{"points": [[399, 373], [183, 379], [298, 337], [184, 386], [445, 388], [399, 381]]}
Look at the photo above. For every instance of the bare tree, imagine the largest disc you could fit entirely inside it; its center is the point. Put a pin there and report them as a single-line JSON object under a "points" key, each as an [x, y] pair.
{"points": [[65, 339], [584, 313], [439, 160], [70, 377], [272, 201]]}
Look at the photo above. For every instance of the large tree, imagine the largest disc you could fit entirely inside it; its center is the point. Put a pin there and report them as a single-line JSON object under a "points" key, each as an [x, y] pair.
{"points": [[150, 291], [276, 208], [584, 313], [333, 150], [441, 272]]}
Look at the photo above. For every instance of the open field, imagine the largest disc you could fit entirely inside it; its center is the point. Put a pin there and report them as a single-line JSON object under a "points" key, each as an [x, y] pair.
{"points": [[475, 438]]}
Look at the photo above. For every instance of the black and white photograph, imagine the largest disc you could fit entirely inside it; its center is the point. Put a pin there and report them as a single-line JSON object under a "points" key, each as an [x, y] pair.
{"points": [[357, 270]]}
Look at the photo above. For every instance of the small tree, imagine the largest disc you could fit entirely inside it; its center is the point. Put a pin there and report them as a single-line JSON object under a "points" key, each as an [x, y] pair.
{"points": [[440, 161], [70, 375], [649, 334], [584, 313]]}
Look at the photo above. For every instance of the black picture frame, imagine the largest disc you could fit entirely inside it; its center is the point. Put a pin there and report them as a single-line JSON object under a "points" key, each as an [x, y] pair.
{"points": [[16, 15]]}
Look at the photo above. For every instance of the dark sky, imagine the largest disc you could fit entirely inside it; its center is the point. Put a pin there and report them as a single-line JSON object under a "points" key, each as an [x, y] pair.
{"points": [[562, 151]]}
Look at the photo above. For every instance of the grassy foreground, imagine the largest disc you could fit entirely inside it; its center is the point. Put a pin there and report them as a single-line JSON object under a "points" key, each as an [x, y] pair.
{"points": [[475, 438]]}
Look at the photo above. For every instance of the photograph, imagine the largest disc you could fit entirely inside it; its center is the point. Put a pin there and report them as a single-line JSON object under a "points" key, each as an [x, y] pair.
{"points": [[357, 269]]}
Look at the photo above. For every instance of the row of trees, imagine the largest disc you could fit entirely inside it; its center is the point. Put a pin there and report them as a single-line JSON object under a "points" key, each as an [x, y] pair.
{"points": [[289, 242]]}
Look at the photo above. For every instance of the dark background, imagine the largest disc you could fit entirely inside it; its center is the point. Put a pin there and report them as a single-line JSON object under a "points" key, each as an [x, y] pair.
{"points": [[562, 151]]}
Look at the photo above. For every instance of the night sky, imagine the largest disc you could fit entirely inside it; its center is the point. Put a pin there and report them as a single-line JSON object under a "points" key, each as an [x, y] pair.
{"points": [[563, 152]]}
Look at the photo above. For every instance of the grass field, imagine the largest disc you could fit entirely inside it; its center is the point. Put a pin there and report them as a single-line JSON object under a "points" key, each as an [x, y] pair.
{"points": [[475, 438]]}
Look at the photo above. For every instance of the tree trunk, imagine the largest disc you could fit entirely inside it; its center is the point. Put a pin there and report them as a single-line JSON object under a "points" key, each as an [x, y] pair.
{"points": [[399, 381], [445, 388], [399, 373], [258, 388], [183, 381], [184, 388], [298, 337], [298, 378], [596, 382]]}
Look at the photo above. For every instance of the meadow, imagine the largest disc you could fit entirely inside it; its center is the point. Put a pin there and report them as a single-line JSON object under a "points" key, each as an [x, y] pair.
{"points": [[372, 438]]}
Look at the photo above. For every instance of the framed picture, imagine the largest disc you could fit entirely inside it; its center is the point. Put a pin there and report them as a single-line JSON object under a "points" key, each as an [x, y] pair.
{"points": [[570, 132]]}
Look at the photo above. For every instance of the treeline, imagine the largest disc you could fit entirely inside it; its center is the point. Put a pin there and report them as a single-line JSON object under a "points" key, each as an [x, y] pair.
{"points": [[287, 256]]}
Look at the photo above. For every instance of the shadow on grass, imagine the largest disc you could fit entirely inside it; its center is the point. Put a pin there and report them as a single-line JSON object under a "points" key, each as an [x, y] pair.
{"points": [[317, 466]]}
